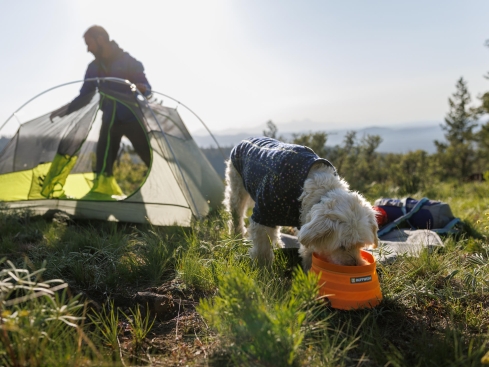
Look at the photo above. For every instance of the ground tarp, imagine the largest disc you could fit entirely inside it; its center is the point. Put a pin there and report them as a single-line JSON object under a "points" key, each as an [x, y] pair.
{"points": [[393, 244]]}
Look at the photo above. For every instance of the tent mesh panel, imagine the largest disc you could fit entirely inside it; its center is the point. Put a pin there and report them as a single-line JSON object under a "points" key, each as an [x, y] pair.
{"points": [[55, 159]]}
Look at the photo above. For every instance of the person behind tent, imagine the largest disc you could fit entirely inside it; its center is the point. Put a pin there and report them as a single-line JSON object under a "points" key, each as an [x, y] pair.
{"points": [[111, 61]]}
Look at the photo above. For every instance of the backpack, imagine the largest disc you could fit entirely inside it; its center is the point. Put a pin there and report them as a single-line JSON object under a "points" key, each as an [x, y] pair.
{"points": [[416, 214]]}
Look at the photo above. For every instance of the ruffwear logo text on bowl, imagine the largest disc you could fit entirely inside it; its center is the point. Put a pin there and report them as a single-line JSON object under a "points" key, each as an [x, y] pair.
{"points": [[361, 279]]}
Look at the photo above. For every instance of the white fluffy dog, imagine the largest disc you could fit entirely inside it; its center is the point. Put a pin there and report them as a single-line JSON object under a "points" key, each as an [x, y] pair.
{"points": [[333, 221]]}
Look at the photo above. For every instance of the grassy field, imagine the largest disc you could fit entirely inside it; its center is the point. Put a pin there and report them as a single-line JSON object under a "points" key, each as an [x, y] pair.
{"points": [[112, 294]]}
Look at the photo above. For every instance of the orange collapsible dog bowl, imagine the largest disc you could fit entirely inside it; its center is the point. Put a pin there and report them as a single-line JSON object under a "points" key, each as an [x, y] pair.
{"points": [[348, 287]]}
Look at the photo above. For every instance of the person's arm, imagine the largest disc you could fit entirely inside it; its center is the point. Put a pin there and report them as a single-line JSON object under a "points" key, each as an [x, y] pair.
{"points": [[139, 78], [86, 93]]}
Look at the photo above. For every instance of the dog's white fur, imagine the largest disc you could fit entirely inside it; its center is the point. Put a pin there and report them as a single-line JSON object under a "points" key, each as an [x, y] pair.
{"points": [[335, 222]]}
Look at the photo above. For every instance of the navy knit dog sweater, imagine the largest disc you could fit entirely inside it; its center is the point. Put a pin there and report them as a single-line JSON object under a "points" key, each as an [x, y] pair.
{"points": [[273, 174]]}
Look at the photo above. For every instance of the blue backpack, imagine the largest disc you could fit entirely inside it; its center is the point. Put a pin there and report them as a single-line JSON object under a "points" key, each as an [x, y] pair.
{"points": [[416, 214]]}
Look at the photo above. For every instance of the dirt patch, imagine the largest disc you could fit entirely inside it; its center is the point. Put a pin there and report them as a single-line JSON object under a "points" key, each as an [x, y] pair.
{"points": [[167, 301], [179, 336]]}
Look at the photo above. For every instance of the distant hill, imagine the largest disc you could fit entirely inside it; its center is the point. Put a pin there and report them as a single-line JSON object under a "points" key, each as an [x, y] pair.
{"points": [[399, 139], [394, 139]]}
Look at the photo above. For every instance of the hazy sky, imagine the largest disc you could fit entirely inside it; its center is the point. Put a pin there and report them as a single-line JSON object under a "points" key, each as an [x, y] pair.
{"points": [[240, 63]]}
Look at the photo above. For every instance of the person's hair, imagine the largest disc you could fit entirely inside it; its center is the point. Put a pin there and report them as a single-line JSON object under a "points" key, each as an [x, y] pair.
{"points": [[96, 31]]}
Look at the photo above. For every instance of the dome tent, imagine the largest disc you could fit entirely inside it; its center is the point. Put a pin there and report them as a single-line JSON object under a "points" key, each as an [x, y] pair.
{"points": [[48, 163]]}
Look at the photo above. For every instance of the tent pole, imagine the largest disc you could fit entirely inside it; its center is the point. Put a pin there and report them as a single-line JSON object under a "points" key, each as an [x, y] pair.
{"points": [[33, 98], [133, 86], [121, 81], [202, 122]]}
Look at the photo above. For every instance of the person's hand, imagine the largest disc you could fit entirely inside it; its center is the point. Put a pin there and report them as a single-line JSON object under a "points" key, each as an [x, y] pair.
{"points": [[142, 87], [60, 112]]}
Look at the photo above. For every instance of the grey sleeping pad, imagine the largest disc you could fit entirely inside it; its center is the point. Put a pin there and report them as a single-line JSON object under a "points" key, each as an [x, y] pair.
{"points": [[396, 242]]}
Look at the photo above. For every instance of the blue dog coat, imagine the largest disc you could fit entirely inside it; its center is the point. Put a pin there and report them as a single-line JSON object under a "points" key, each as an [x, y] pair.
{"points": [[273, 174]]}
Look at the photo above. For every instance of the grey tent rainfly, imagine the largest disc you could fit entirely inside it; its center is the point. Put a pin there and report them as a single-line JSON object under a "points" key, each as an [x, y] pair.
{"points": [[48, 165]]}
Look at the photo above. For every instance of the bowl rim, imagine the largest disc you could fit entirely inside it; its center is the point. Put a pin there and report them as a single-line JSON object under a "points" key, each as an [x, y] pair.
{"points": [[323, 264]]}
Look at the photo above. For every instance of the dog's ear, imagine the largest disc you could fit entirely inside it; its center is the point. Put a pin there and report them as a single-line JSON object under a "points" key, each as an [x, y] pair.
{"points": [[315, 231]]}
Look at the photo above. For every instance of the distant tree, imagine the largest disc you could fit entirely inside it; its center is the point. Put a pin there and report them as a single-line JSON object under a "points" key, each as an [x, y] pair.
{"points": [[345, 151], [410, 174], [457, 155], [368, 166], [272, 130], [486, 43], [482, 138], [370, 143], [459, 122], [316, 141], [357, 161], [484, 107]]}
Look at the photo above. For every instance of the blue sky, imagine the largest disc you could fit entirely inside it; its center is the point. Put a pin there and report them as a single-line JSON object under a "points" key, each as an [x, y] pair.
{"points": [[237, 64]]}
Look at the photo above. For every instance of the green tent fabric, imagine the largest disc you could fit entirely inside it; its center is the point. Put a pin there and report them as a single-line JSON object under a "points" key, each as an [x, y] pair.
{"points": [[49, 166]]}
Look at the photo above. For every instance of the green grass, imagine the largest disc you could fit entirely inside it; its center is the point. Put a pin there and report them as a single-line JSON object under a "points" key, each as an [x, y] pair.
{"points": [[39, 324], [217, 307]]}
